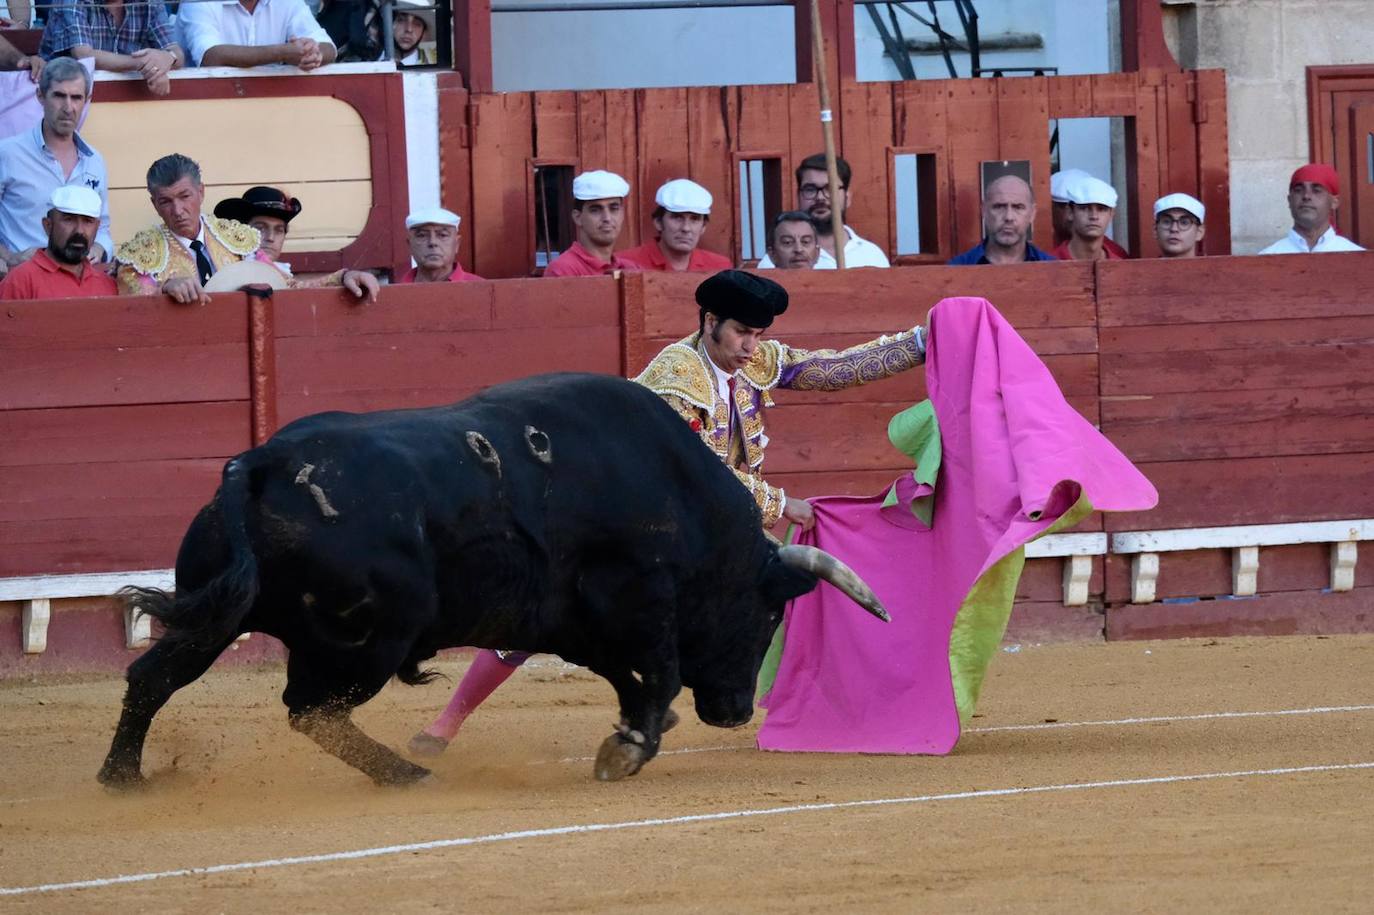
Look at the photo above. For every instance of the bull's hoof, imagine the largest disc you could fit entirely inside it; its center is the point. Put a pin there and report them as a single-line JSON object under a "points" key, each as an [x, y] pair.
{"points": [[120, 778], [670, 721], [618, 758], [402, 775], [423, 744]]}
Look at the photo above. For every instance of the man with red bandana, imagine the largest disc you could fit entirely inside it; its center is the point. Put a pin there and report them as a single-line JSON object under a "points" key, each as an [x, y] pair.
{"points": [[1313, 199], [719, 381]]}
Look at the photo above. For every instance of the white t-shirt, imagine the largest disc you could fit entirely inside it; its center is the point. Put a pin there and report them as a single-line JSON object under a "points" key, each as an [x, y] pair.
{"points": [[202, 26], [1293, 243], [858, 252]]}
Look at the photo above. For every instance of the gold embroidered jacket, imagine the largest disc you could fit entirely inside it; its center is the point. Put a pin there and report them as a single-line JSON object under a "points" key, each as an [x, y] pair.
{"points": [[154, 255], [682, 376]]}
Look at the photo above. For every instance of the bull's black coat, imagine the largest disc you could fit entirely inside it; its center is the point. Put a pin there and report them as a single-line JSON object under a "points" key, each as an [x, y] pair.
{"points": [[570, 514]]}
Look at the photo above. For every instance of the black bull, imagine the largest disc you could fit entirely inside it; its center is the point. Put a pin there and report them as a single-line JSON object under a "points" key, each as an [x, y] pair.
{"points": [[570, 514]]}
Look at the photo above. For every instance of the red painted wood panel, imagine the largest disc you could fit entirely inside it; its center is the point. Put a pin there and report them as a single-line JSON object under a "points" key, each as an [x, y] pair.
{"points": [[383, 371], [1191, 573], [1268, 490], [502, 144], [973, 140], [864, 142], [1257, 368], [555, 125], [709, 163], [1023, 106], [1218, 424], [1213, 158], [455, 158], [1221, 289], [1289, 613], [82, 435], [663, 153], [1047, 622]]}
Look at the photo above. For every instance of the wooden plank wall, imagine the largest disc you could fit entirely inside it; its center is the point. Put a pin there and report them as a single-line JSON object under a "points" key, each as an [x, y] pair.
{"points": [[1178, 124], [1244, 388], [1241, 386], [116, 416]]}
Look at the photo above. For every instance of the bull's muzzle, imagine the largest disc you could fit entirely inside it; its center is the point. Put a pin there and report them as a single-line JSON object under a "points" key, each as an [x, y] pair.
{"points": [[822, 565]]}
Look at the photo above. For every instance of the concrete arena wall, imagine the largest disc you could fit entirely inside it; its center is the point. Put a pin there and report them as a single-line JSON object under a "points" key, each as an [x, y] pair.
{"points": [[1241, 386]]}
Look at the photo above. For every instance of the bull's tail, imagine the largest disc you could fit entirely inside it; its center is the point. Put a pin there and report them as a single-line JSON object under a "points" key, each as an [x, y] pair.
{"points": [[213, 613]]}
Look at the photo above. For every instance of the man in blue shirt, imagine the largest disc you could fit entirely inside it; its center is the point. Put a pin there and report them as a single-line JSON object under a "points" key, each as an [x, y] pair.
{"points": [[36, 162], [1008, 214]]}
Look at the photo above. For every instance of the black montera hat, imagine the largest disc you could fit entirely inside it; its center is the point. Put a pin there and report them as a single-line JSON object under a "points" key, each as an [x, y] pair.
{"points": [[749, 299], [259, 201]]}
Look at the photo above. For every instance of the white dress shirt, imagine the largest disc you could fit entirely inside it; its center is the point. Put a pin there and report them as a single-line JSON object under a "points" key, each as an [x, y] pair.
{"points": [[858, 252], [1293, 243], [202, 26]]}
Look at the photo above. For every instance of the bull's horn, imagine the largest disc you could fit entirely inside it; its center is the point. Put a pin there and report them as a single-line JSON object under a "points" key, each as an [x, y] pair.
{"points": [[822, 565]]}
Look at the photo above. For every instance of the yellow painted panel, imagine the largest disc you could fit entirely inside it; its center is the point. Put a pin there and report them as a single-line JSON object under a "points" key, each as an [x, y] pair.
{"points": [[247, 141], [332, 212]]}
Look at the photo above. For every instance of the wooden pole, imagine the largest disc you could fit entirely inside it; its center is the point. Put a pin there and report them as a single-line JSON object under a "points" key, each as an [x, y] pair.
{"points": [[818, 62]]}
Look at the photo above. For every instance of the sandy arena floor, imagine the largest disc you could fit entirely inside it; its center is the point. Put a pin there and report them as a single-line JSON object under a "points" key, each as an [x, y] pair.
{"points": [[1230, 776]]}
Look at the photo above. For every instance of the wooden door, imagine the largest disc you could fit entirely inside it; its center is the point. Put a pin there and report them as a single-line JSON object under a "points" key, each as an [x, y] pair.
{"points": [[1357, 190]]}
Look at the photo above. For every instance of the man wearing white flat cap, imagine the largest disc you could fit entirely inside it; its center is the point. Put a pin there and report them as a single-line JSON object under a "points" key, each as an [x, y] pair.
{"points": [[433, 234], [1062, 209], [1179, 225], [598, 216], [1094, 202], [61, 271], [680, 218]]}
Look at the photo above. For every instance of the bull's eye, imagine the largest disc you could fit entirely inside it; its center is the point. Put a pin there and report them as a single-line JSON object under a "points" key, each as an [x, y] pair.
{"points": [[307, 599]]}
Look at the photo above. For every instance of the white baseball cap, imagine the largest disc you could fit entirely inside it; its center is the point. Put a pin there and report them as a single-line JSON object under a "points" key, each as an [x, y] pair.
{"points": [[1087, 189], [1185, 202], [683, 196], [437, 216], [599, 185], [75, 199], [1060, 180]]}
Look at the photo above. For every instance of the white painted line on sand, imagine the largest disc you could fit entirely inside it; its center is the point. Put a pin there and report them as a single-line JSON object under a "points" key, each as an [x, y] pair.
{"points": [[1049, 725], [1205, 716], [413, 847]]}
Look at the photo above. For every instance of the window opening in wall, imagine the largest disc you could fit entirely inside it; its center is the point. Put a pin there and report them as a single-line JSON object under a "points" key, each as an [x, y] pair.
{"points": [[916, 203], [552, 211], [760, 198], [1098, 147]]}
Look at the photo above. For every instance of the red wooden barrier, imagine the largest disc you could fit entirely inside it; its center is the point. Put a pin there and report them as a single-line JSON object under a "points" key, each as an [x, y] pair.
{"points": [[1240, 385], [1177, 133]]}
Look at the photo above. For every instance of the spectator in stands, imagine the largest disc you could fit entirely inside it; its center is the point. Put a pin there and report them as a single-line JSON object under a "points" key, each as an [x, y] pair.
{"points": [[1313, 199], [680, 217], [125, 38], [1061, 210], [598, 216], [1094, 202], [61, 270], [270, 211], [350, 27], [792, 243], [1008, 215], [250, 33], [433, 233], [1179, 225], [412, 33], [36, 162], [181, 253], [1062, 213], [11, 58], [817, 197]]}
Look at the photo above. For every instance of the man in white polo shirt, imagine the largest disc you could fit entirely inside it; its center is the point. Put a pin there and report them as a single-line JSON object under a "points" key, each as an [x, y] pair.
{"points": [[1179, 225], [816, 198], [251, 33]]}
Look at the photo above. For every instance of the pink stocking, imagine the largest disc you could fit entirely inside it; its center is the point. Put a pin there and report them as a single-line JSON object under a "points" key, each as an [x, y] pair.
{"points": [[488, 671]]}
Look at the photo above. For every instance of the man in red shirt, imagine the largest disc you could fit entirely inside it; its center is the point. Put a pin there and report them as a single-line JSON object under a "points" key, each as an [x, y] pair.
{"points": [[1094, 202], [434, 236], [61, 271], [684, 209], [598, 216]]}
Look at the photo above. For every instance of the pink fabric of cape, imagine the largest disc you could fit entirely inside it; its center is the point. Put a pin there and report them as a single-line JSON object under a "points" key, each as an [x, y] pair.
{"points": [[1016, 456]]}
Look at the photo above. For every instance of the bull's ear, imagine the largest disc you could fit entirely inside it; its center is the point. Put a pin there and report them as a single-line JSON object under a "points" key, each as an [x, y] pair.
{"points": [[781, 583]]}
